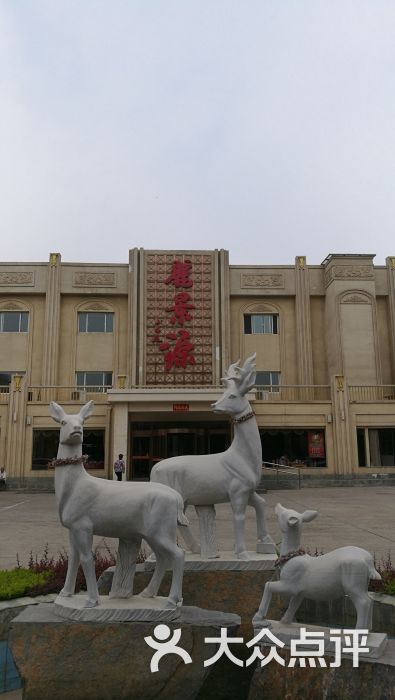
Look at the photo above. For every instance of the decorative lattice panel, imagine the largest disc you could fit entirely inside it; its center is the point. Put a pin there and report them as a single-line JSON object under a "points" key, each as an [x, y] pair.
{"points": [[179, 319]]}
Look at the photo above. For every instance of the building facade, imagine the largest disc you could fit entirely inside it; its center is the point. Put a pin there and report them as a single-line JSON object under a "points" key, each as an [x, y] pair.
{"points": [[149, 341]]}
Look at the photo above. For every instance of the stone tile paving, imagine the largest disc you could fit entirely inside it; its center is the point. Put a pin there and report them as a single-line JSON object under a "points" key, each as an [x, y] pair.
{"points": [[361, 516]]}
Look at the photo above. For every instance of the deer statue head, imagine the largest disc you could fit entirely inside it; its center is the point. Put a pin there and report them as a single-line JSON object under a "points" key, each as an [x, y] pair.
{"points": [[238, 381], [291, 522], [71, 432]]}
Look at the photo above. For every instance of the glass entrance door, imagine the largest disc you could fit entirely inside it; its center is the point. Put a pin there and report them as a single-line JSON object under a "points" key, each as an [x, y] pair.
{"points": [[151, 443]]}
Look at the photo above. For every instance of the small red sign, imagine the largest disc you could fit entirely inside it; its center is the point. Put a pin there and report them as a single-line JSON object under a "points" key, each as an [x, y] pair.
{"points": [[181, 407]]}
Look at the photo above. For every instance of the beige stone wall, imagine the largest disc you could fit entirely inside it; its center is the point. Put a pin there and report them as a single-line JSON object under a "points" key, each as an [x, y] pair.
{"points": [[351, 317]]}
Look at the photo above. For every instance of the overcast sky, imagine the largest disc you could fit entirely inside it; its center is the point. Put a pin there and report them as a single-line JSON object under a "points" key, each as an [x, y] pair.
{"points": [[266, 127]]}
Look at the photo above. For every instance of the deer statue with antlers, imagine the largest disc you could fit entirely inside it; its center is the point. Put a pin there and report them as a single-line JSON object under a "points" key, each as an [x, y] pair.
{"points": [[231, 476]]}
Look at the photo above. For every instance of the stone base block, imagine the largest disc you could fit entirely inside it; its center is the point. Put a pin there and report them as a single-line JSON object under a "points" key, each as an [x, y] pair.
{"points": [[64, 659], [226, 561], [134, 609], [376, 641], [373, 679], [226, 584]]}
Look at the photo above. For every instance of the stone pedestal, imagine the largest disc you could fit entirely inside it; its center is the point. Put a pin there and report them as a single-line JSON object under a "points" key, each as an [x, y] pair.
{"points": [[134, 609], [62, 659], [226, 584], [373, 679]]}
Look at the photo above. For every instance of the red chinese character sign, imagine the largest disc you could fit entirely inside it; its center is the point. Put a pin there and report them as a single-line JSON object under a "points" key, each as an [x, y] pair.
{"points": [[179, 310]]}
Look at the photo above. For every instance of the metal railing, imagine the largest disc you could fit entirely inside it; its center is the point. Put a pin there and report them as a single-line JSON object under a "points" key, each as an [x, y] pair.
{"points": [[45, 394], [282, 469], [293, 392], [371, 392]]}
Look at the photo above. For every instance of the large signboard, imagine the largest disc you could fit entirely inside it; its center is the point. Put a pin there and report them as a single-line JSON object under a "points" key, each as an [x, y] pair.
{"points": [[179, 313]]}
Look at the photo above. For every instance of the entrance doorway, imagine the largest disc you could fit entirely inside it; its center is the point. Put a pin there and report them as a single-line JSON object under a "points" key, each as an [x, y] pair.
{"points": [[152, 442]]}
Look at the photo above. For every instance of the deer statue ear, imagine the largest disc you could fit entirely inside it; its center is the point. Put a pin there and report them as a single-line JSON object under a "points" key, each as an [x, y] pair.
{"points": [[86, 410], [309, 515], [56, 412]]}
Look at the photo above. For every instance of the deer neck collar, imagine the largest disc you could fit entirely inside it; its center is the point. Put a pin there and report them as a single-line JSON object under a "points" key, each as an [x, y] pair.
{"points": [[242, 419], [290, 555], [68, 460]]}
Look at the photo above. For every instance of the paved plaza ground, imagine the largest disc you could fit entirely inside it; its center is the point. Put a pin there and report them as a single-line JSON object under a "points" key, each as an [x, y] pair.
{"points": [[362, 516]]}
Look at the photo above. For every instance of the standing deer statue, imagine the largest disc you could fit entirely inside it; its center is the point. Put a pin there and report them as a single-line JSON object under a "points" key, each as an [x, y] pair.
{"points": [[344, 571], [90, 506], [230, 476]]}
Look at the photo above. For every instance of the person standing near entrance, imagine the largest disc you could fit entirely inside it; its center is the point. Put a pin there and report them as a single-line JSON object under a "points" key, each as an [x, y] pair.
{"points": [[119, 467]]}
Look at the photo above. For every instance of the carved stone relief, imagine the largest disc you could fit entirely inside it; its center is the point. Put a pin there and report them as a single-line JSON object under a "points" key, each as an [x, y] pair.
{"points": [[356, 299], [23, 279], [94, 279], [261, 281], [351, 272], [12, 306]]}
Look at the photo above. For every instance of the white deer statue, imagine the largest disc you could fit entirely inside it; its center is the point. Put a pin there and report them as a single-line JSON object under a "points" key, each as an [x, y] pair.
{"points": [[230, 476], [90, 506], [344, 571]]}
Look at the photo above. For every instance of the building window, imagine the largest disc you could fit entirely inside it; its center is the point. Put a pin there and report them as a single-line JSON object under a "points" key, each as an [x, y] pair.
{"points": [[95, 382], [260, 323], [267, 382], [46, 442], [14, 321], [5, 381], [376, 447], [294, 447], [95, 322]]}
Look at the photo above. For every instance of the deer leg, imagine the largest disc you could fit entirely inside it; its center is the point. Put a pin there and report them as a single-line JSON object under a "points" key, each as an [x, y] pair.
{"points": [[72, 568], [151, 590], [122, 582], [259, 619], [265, 544], [84, 541], [292, 608], [190, 541], [364, 608], [208, 539], [177, 556], [239, 500]]}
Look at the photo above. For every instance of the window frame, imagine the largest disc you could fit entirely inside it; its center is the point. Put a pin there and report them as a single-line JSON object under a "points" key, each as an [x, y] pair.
{"points": [[94, 388], [108, 327], [23, 315], [270, 323], [272, 387]]}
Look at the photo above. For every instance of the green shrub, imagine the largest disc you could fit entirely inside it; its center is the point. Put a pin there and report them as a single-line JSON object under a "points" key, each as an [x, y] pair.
{"points": [[18, 582]]}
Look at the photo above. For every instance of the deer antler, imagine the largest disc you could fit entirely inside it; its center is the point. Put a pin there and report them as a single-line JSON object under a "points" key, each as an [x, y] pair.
{"points": [[247, 375], [243, 376], [233, 372]]}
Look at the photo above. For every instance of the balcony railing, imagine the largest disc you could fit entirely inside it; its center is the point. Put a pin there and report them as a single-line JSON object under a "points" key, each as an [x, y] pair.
{"points": [[45, 394], [293, 392], [4, 393], [372, 392]]}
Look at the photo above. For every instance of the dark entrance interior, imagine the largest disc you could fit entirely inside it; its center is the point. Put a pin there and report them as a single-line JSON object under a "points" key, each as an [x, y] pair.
{"points": [[151, 442], [293, 447]]}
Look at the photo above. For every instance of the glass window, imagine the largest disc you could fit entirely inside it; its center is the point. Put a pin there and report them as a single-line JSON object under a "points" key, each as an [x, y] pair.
{"points": [[294, 446], [95, 322], [14, 321], [95, 381], [260, 323], [380, 445], [46, 442], [268, 381]]}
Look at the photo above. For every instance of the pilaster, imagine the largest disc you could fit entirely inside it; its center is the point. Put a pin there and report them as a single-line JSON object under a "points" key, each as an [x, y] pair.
{"points": [[16, 427], [341, 426], [120, 434], [303, 322], [391, 309], [52, 322]]}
